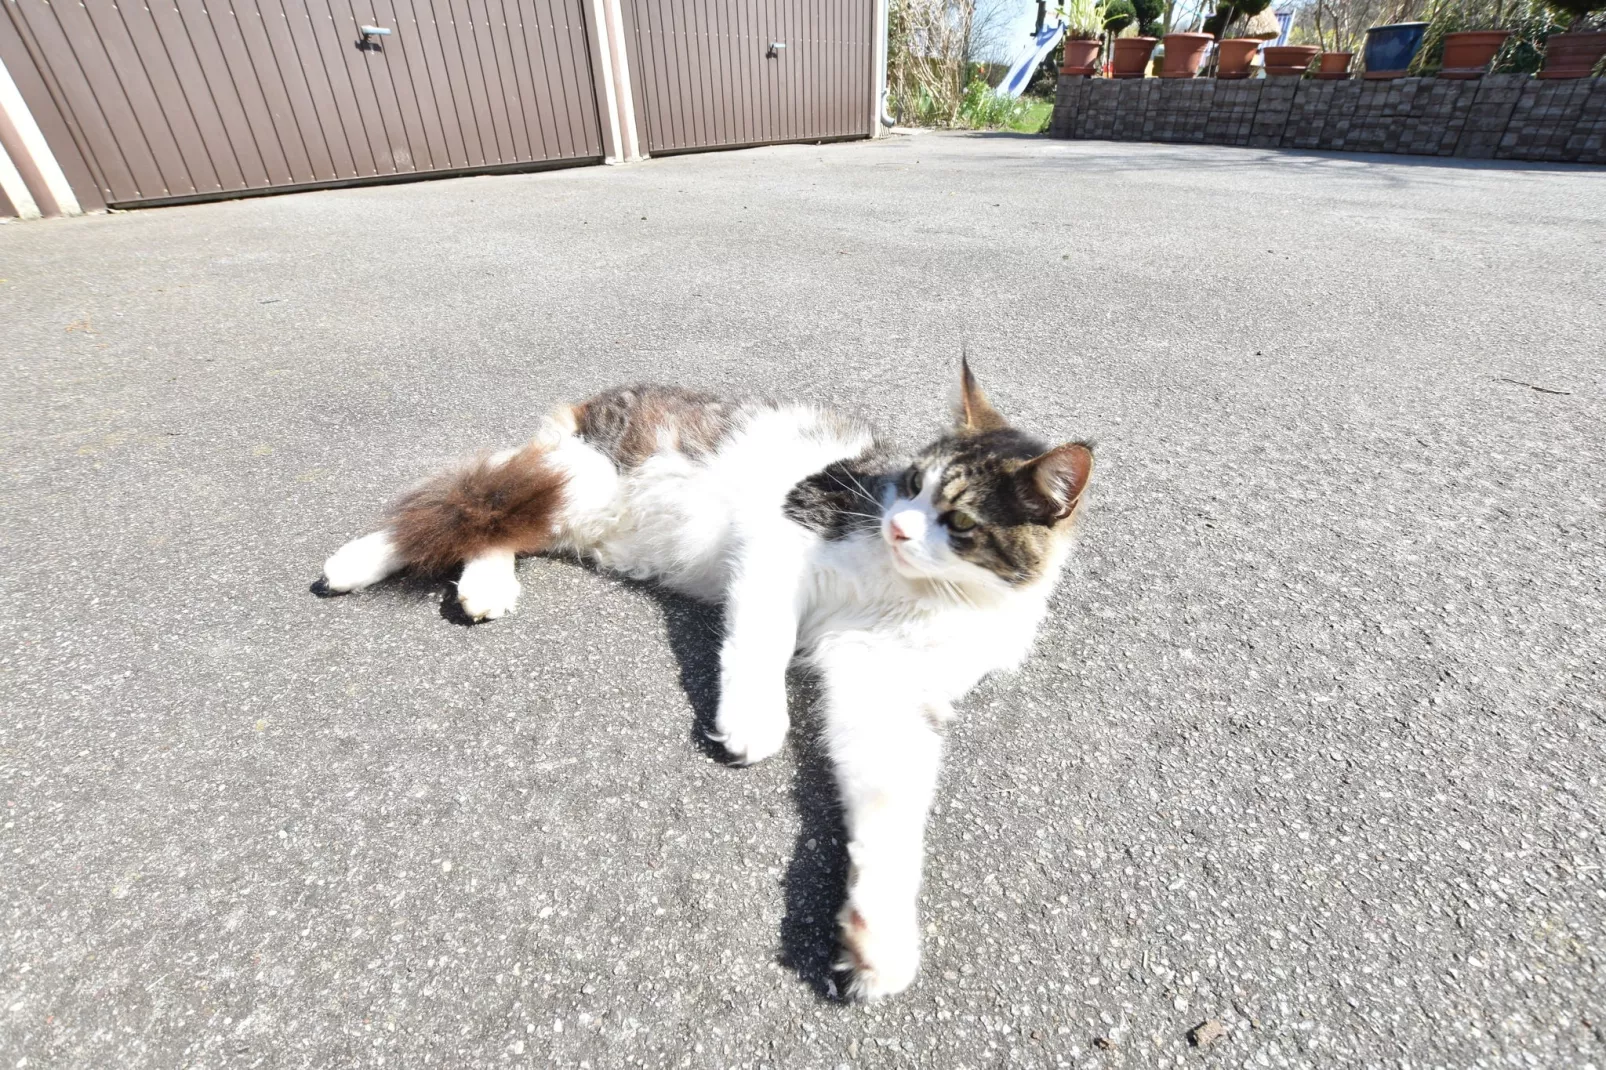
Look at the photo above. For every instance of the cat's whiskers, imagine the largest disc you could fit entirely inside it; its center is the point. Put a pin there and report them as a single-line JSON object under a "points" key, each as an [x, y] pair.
{"points": [[856, 488]]}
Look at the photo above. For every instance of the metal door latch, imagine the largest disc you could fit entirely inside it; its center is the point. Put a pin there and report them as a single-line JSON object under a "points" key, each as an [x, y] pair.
{"points": [[775, 49]]}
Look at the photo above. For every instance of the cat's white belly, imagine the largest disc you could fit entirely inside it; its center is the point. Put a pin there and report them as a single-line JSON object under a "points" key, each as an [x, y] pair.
{"points": [[680, 520]]}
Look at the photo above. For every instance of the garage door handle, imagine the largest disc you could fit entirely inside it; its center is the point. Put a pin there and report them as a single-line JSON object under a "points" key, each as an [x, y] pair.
{"points": [[374, 31], [775, 49]]}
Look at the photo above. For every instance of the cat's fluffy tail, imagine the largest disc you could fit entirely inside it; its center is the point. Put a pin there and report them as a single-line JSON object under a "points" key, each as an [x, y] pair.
{"points": [[492, 503]]}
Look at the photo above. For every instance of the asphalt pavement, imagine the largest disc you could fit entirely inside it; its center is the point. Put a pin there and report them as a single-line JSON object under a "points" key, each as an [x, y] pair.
{"points": [[1312, 749]]}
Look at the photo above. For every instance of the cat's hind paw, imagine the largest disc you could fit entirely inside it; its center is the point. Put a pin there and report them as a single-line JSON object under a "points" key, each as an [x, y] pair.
{"points": [[878, 961], [751, 723], [488, 588], [358, 564]]}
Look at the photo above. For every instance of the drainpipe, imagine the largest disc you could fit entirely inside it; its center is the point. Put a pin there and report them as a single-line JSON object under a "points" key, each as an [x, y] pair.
{"points": [[879, 117]]}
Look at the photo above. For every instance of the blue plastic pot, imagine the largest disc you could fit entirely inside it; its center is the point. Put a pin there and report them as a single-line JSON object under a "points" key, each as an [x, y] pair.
{"points": [[1389, 49]]}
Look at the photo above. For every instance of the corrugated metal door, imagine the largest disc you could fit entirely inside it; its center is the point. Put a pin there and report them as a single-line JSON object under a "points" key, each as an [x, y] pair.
{"points": [[176, 99], [718, 73]]}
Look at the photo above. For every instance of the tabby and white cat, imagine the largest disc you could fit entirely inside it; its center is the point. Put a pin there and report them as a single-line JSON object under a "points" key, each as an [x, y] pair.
{"points": [[900, 582]]}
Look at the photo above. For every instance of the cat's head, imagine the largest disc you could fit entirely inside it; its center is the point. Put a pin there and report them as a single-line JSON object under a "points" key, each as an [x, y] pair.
{"points": [[984, 504]]}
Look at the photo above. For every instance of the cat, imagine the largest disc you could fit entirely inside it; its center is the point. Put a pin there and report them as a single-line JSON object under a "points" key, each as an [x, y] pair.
{"points": [[899, 582]]}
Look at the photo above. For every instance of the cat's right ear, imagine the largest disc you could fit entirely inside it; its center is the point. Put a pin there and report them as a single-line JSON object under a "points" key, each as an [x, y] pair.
{"points": [[1054, 482], [974, 413]]}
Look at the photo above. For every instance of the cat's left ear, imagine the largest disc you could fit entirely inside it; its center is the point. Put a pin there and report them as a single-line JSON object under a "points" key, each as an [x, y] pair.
{"points": [[1054, 481], [976, 414]]}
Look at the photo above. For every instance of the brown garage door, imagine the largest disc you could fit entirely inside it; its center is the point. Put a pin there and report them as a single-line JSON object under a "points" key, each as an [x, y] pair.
{"points": [[704, 74], [194, 98]]}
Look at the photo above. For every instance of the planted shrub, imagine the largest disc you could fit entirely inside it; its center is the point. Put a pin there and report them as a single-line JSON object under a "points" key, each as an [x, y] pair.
{"points": [[1118, 15], [1577, 12], [1150, 15], [983, 107], [1226, 14], [1084, 20]]}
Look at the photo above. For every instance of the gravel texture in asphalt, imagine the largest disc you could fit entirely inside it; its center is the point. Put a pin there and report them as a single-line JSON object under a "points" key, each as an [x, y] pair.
{"points": [[1307, 771]]}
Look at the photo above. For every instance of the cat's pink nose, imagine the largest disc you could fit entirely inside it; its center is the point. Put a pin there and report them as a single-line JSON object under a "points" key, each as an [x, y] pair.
{"points": [[898, 534]]}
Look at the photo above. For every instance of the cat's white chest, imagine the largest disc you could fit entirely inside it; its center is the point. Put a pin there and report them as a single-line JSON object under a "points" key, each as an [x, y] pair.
{"points": [[939, 646]]}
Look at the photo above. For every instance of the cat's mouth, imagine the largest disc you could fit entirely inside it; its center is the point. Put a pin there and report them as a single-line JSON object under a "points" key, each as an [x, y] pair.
{"points": [[902, 562]]}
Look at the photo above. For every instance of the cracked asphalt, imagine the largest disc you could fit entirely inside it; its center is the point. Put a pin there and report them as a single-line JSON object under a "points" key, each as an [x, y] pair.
{"points": [[1312, 748]]}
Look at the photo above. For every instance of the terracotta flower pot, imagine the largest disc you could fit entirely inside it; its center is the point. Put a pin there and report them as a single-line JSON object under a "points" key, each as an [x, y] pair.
{"points": [[1572, 55], [1288, 61], [1390, 49], [1081, 57], [1184, 52], [1132, 56], [1234, 55], [1334, 66], [1467, 54]]}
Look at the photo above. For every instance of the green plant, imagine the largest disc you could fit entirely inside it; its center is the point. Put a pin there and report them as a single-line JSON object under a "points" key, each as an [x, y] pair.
{"points": [[1151, 17], [984, 108], [928, 44], [1578, 11], [1529, 21], [1118, 15], [1084, 19], [1454, 16], [1524, 51], [1230, 12]]}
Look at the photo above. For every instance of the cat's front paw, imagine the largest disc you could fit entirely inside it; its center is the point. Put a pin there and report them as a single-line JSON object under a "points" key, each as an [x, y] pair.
{"points": [[488, 589], [751, 723], [880, 957]]}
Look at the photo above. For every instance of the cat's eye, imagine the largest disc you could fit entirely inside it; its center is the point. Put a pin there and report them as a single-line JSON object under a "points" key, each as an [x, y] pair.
{"points": [[960, 520], [912, 482]]}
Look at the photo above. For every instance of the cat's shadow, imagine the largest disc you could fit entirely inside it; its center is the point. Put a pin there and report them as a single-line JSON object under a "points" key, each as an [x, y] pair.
{"points": [[816, 877]]}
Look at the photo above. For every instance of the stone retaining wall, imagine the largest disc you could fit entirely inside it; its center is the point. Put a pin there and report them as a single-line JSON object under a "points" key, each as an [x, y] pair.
{"points": [[1500, 116]]}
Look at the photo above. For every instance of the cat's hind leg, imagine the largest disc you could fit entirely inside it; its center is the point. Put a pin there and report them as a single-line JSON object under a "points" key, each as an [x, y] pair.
{"points": [[479, 515], [489, 587], [360, 563]]}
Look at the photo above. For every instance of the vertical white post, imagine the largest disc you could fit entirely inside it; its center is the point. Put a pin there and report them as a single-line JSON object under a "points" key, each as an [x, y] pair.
{"points": [[16, 190], [612, 65], [629, 139], [602, 73], [878, 81], [29, 157]]}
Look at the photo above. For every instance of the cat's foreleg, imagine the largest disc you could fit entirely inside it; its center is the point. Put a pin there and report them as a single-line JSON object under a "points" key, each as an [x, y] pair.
{"points": [[886, 752], [761, 614]]}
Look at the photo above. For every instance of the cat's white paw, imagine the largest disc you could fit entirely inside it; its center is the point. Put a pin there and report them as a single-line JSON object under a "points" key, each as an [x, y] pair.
{"points": [[488, 587], [360, 562], [751, 723], [881, 957]]}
